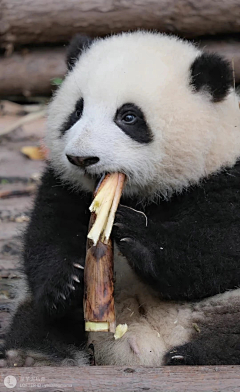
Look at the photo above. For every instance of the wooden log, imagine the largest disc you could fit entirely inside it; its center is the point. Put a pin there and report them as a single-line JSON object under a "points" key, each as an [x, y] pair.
{"points": [[31, 73], [230, 49], [123, 379], [41, 21]]}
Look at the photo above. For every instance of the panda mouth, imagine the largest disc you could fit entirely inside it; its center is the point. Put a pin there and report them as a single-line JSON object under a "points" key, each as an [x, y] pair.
{"points": [[95, 177], [99, 176]]}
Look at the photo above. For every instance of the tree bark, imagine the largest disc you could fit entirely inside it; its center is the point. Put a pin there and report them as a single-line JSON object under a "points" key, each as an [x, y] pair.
{"points": [[43, 21], [31, 73]]}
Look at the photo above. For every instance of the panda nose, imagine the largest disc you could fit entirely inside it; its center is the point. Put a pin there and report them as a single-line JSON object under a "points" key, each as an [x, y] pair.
{"points": [[82, 161]]}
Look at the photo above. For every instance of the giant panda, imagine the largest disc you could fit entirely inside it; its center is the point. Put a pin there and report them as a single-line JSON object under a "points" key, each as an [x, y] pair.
{"points": [[165, 114]]}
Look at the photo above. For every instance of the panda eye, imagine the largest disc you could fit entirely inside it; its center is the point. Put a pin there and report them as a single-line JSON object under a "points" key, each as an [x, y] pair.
{"points": [[129, 118], [79, 108], [78, 113]]}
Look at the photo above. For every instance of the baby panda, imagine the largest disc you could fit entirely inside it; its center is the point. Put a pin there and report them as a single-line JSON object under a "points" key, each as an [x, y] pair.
{"points": [[165, 114]]}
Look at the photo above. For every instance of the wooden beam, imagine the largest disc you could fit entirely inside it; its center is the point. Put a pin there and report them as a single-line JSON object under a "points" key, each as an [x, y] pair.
{"points": [[122, 379], [43, 21], [31, 72]]}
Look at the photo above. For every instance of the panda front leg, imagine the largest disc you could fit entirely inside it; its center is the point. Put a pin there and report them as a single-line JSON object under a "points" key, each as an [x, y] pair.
{"points": [[31, 341], [54, 247], [179, 250], [156, 252], [49, 327]]}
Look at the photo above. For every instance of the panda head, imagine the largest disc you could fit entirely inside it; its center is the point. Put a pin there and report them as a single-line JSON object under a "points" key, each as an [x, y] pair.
{"points": [[149, 105]]}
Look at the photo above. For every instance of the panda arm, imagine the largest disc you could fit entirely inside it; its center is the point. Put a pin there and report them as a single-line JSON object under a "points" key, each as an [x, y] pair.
{"points": [[31, 341], [54, 246], [190, 247]]}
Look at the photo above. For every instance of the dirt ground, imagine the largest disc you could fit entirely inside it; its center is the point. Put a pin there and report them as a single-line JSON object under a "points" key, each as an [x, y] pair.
{"points": [[18, 181]]}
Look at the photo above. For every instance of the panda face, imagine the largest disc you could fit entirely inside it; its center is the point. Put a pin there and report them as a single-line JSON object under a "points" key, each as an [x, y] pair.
{"points": [[133, 103]]}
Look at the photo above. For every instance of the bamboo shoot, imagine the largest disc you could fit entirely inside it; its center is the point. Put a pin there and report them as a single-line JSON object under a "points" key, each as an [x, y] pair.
{"points": [[99, 310]]}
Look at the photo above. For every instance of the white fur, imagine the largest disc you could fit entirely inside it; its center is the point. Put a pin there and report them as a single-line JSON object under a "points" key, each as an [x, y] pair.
{"points": [[163, 324], [154, 326], [193, 137]]}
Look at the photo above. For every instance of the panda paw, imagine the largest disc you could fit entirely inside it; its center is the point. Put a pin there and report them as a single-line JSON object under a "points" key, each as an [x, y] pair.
{"points": [[32, 358], [16, 358], [61, 291], [182, 355], [131, 233]]}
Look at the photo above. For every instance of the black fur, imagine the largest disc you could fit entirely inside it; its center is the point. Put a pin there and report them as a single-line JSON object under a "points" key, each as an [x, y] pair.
{"points": [[55, 239], [77, 45], [73, 117], [54, 246], [216, 340], [189, 250], [51, 340], [138, 130], [212, 73]]}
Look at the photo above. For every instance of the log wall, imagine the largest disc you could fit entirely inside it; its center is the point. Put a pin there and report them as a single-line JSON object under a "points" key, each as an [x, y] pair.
{"points": [[30, 72], [41, 21]]}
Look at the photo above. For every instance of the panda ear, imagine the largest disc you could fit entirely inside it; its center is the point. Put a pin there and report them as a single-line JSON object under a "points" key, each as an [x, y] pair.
{"points": [[76, 46], [212, 73]]}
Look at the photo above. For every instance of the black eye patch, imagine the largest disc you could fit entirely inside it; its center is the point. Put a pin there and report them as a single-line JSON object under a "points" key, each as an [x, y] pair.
{"points": [[130, 119], [73, 117]]}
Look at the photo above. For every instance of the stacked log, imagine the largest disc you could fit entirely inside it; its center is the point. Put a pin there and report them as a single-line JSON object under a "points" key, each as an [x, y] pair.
{"points": [[32, 72], [30, 23], [41, 21]]}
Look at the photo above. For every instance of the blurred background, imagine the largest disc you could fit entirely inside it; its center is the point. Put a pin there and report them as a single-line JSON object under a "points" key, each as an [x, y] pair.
{"points": [[33, 38]]}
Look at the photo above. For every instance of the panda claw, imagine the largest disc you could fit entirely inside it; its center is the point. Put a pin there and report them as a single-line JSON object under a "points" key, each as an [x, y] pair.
{"points": [[125, 239], [63, 296], [178, 357], [71, 286], [175, 359], [75, 278], [76, 265], [119, 225]]}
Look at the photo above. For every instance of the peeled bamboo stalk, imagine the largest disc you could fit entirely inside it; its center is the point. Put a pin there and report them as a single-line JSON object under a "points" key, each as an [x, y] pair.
{"points": [[99, 310]]}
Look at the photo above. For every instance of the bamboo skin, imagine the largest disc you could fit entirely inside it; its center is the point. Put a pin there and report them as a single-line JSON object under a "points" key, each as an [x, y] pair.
{"points": [[99, 312], [99, 288]]}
